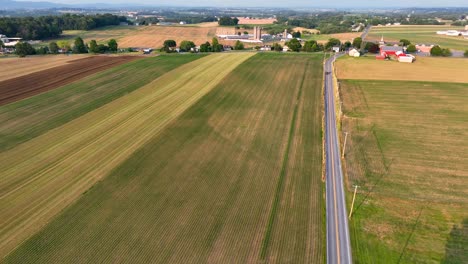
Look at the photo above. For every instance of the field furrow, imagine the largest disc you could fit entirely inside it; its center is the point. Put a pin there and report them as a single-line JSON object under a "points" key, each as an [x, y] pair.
{"points": [[41, 177]]}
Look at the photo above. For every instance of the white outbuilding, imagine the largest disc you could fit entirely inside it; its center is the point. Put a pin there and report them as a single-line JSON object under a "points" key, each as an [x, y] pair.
{"points": [[354, 53]]}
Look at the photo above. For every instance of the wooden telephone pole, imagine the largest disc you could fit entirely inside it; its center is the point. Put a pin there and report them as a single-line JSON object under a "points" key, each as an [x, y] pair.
{"points": [[352, 204]]}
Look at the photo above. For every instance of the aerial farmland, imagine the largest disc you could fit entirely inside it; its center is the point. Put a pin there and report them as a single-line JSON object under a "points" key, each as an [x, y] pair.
{"points": [[224, 154]]}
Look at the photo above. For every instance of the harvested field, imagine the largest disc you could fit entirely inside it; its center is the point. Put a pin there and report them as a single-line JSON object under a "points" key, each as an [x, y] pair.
{"points": [[408, 152], [256, 21], [150, 36], [420, 35], [236, 178], [34, 116], [323, 38], [16, 67], [18, 88], [46, 174], [424, 69]]}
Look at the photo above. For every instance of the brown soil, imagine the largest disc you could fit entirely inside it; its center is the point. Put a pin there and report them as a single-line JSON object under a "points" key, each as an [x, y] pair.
{"points": [[15, 89]]}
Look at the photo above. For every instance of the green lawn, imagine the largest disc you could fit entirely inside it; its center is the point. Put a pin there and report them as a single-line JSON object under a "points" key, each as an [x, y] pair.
{"points": [[420, 34], [409, 155], [26, 119], [236, 178]]}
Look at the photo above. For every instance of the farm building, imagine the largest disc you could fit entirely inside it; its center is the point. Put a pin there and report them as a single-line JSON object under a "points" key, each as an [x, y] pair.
{"points": [[336, 49], [426, 48], [390, 50], [9, 42], [354, 53]]}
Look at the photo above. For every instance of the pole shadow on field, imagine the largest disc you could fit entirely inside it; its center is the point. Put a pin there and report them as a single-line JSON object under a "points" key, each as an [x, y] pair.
{"points": [[456, 249], [410, 235]]}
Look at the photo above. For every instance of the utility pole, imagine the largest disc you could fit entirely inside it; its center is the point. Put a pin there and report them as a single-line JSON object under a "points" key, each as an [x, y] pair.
{"points": [[352, 204], [344, 145]]}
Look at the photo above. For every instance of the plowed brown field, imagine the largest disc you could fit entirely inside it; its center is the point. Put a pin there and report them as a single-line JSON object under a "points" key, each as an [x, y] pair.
{"points": [[18, 88]]}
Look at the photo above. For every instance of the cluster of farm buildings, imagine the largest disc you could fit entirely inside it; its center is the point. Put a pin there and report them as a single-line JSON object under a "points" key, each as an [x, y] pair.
{"points": [[454, 33], [257, 36]]}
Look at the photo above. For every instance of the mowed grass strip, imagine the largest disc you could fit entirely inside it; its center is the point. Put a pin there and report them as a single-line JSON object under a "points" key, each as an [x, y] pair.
{"points": [[26, 119], [407, 150], [41, 177], [202, 191]]}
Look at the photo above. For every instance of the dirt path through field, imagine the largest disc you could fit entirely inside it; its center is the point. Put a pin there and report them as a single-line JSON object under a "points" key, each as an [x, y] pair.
{"points": [[15, 89]]}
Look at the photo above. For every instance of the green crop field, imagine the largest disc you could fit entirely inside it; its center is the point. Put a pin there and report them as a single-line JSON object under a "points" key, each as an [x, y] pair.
{"points": [[235, 178], [420, 35], [45, 174], [407, 151]]}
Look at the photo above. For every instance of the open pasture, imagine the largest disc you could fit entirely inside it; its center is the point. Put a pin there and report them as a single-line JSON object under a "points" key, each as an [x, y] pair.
{"points": [[21, 87], [234, 179], [46, 174], [31, 117], [16, 67], [407, 150], [423, 69], [419, 35]]}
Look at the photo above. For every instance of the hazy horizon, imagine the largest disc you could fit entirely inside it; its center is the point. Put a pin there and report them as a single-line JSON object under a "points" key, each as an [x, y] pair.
{"points": [[274, 3]]}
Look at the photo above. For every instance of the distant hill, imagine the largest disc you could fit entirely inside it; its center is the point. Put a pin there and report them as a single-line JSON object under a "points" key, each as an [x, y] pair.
{"points": [[9, 4]]}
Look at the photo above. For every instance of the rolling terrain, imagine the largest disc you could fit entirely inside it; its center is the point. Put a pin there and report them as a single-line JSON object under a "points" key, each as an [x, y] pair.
{"points": [[234, 176]]}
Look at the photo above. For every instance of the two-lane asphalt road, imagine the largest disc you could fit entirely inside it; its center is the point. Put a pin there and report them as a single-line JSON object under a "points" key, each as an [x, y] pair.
{"points": [[338, 243]]}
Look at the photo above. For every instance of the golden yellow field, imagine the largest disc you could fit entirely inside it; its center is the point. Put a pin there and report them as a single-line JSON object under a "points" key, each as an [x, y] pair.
{"points": [[256, 21], [424, 69], [44, 175], [15, 67]]}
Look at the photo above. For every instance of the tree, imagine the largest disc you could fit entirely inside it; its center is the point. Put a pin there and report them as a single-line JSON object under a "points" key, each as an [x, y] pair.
{"points": [[42, 50], [405, 42], [277, 47], [310, 46], [296, 34], [466, 53], [332, 43], [79, 46], [206, 47], [1, 44], [216, 47], [53, 47], [238, 45], [93, 46], [372, 47], [411, 48], [347, 45], [186, 45], [23, 49], [436, 51], [357, 42], [294, 45], [113, 46], [169, 45], [63, 44], [228, 21], [102, 48]]}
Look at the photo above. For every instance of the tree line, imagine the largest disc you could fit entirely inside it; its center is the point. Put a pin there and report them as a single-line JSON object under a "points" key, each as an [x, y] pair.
{"points": [[22, 49], [38, 28]]}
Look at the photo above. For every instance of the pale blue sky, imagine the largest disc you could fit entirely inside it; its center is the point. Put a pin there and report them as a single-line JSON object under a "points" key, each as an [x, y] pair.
{"points": [[280, 3]]}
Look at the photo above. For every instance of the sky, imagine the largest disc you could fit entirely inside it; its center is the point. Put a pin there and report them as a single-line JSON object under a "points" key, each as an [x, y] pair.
{"points": [[278, 3]]}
